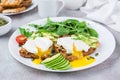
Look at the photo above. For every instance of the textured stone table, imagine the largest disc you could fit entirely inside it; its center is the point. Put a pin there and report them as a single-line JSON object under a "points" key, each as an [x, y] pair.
{"points": [[10, 69]]}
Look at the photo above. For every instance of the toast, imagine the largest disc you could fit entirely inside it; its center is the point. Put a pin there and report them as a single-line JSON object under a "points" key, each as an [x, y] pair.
{"points": [[1, 9], [26, 3], [14, 10], [14, 6], [10, 3]]}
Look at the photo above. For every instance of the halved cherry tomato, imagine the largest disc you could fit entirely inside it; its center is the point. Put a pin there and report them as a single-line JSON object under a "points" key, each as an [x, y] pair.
{"points": [[21, 39]]}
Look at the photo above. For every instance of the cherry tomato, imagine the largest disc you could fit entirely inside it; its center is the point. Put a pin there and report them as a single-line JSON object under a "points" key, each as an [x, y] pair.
{"points": [[21, 39]]}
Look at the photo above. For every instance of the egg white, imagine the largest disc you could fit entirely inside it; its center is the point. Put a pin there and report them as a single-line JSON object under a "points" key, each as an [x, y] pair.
{"points": [[67, 43], [41, 42]]}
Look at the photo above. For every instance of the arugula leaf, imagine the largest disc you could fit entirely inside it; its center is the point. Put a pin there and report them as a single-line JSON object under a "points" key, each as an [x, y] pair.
{"points": [[35, 26], [69, 26], [62, 31], [93, 32], [82, 24], [22, 30], [25, 32], [71, 22]]}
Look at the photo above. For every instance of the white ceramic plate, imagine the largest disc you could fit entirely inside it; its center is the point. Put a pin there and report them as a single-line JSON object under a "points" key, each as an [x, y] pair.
{"points": [[106, 48], [32, 6]]}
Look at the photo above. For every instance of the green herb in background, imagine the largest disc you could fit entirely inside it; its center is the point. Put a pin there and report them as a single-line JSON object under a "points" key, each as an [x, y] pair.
{"points": [[2, 22]]}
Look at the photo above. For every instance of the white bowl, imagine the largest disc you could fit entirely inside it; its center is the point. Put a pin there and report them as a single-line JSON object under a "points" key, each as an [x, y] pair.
{"points": [[5, 28]]}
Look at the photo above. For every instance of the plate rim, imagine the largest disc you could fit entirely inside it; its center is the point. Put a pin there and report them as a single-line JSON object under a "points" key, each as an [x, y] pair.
{"points": [[77, 69]]}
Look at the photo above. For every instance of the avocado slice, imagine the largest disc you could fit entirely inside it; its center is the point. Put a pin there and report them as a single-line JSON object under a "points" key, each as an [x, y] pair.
{"points": [[63, 67], [54, 62], [63, 64], [51, 59], [57, 62]]}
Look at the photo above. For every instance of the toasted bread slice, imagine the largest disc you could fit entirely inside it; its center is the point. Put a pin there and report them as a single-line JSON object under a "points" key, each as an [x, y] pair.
{"points": [[10, 3], [26, 3], [14, 10], [1, 9]]}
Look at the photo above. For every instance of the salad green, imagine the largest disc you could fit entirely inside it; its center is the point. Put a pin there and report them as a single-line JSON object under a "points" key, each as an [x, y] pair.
{"points": [[25, 32], [67, 27], [70, 27]]}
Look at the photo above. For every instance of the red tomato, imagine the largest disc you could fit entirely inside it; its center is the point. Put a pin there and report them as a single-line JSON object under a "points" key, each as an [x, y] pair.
{"points": [[21, 39]]}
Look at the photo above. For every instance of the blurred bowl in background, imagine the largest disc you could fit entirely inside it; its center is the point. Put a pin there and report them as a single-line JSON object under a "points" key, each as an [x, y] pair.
{"points": [[5, 28], [74, 4]]}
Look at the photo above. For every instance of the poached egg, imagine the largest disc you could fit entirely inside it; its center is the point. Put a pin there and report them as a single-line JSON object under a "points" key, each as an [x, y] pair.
{"points": [[38, 46], [73, 46], [39, 42], [76, 47]]}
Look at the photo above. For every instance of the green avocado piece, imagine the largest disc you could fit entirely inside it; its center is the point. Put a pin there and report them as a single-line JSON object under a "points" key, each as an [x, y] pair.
{"points": [[64, 67], [54, 62], [67, 63], [57, 62], [61, 62], [51, 59]]}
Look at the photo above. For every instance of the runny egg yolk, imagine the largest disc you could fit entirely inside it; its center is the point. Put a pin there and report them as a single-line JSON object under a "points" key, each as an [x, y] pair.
{"points": [[40, 53], [81, 61], [76, 52], [87, 60]]}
